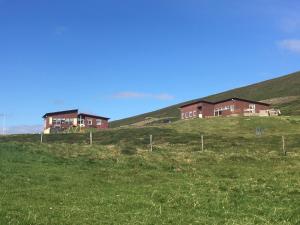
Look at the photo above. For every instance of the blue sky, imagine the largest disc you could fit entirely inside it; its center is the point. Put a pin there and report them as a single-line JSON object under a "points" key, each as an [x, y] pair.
{"points": [[121, 58]]}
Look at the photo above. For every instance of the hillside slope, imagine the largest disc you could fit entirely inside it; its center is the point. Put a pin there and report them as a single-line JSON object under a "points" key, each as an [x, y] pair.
{"points": [[286, 86]]}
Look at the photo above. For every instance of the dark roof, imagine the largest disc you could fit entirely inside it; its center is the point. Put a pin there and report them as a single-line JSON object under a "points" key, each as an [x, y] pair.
{"points": [[74, 111], [241, 99], [93, 116], [196, 102], [225, 100], [60, 112]]}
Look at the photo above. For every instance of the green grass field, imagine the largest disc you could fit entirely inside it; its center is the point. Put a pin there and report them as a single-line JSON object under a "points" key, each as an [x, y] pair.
{"points": [[239, 178]]}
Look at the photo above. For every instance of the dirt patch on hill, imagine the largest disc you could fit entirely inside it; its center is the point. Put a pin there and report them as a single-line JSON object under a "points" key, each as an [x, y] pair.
{"points": [[281, 100]]}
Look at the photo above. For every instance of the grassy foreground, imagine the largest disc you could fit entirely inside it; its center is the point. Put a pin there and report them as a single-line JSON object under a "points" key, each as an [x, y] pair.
{"points": [[240, 178]]}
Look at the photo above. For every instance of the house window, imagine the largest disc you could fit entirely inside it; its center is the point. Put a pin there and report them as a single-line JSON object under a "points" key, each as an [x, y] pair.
{"points": [[81, 121], [232, 108], [218, 112], [98, 122], [191, 114], [90, 122], [186, 115], [57, 121], [69, 121], [195, 113], [252, 106], [182, 115]]}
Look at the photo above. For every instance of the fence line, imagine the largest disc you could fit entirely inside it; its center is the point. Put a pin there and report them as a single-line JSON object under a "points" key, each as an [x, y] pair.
{"points": [[281, 143]]}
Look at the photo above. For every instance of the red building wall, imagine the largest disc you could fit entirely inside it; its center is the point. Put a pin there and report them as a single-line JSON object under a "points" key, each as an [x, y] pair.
{"points": [[104, 123], [57, 116], [234, 107], [207, 110], [239, 107]]}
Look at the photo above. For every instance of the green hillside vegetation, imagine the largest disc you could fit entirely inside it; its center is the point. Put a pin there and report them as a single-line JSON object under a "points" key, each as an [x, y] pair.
{"points": [[286, 86], [240, 177]]}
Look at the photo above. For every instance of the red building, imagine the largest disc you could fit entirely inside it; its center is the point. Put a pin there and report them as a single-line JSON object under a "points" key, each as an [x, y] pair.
{"points": [[227, 107], [64, 120]]}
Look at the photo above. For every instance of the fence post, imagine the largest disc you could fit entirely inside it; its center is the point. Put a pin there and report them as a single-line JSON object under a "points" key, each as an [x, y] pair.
{"points": [[283, 146], [202, 143], [42, 137], [91, 138], [151, 144]]}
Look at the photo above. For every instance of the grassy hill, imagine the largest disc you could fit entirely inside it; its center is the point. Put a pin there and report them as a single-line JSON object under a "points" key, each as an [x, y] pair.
{"points": [[285, 86], [239, 178]]}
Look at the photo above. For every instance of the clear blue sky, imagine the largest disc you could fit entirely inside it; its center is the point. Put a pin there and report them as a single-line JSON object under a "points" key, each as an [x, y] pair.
{"points": [[120, 58]]}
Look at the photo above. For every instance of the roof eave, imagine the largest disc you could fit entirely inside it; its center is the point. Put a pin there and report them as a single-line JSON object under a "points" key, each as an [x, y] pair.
{"points": [[197, 102], [60, 112]]}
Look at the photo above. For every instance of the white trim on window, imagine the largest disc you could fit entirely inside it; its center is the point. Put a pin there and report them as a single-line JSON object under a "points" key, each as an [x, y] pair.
{"points": [[252, 106], [98, 122]]}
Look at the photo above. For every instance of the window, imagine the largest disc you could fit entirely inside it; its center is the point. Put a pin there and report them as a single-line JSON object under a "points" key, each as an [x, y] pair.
{"points": [[218, 112], [186, 115], [232, 108], [90, 122], [191, 114], [182, 115], [98, 122], [69, 121], [251, 106], [195, 113], [56, 121]]}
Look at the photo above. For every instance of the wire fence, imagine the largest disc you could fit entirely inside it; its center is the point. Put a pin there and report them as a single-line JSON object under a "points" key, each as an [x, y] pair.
{"points": [[150, 139]]}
